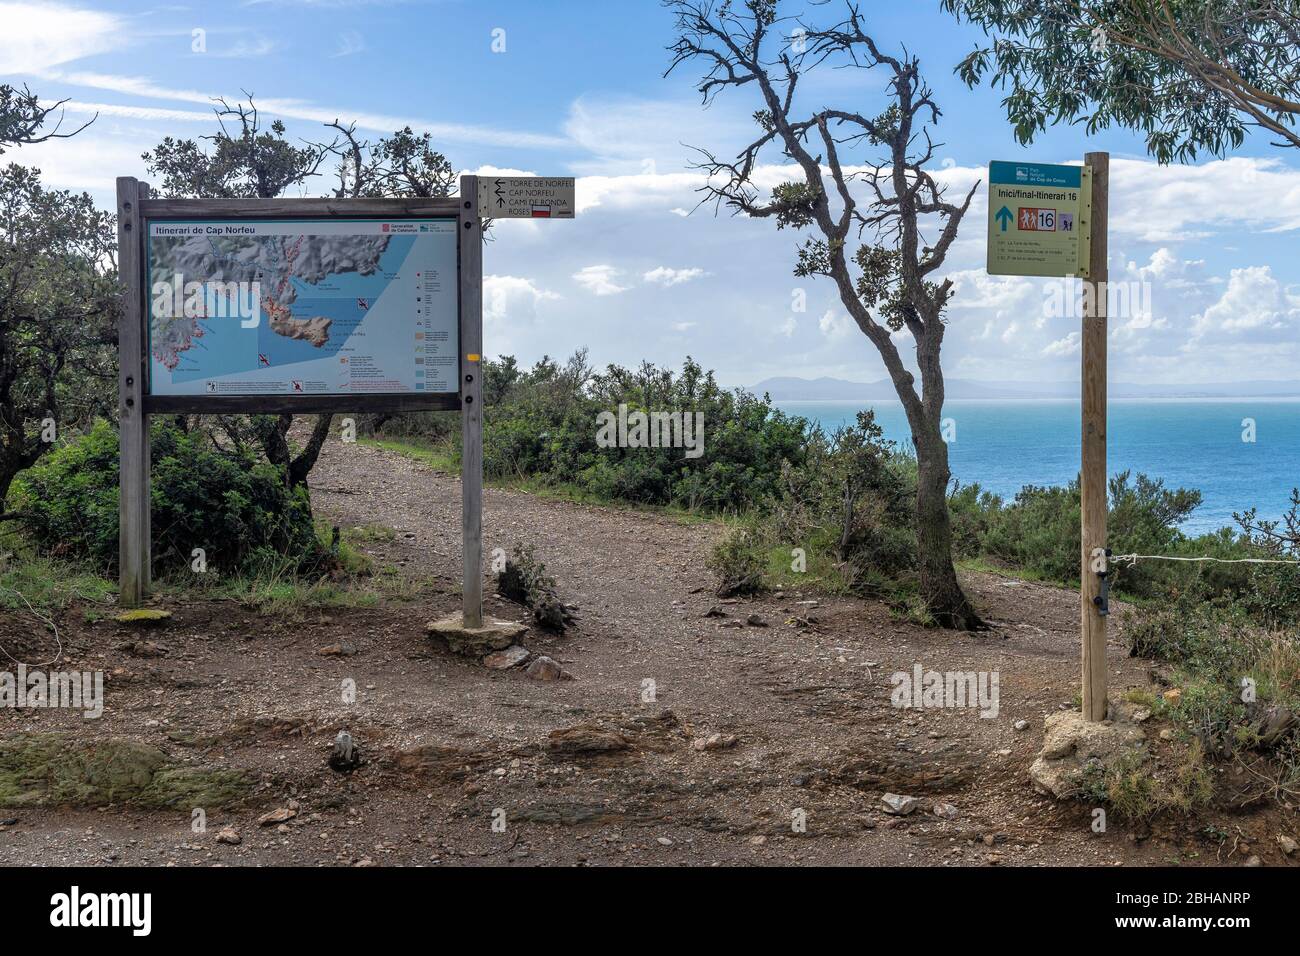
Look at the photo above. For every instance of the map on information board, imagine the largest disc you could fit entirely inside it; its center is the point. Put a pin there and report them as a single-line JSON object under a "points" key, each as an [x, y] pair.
{"points": [[287, 307]]}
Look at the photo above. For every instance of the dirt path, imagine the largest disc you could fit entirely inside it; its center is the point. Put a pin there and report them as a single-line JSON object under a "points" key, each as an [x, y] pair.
{"points": [[452, 746]]}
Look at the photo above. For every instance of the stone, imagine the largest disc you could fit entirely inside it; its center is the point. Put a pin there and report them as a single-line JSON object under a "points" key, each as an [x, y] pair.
{"points": [[545, 669], [586, 739], [512, 656], [143, 649], [899, 805], [345, 757], [279, 815], [1021, 724], [1254, 861], [1167, 734], [1071, 745], [493, 635], [664, 841], [945, 811], [1173, 697], [756, 620], [1287, 844], [229, 835], [715, 742], [337, 650], [715, 611], [732, 624]]}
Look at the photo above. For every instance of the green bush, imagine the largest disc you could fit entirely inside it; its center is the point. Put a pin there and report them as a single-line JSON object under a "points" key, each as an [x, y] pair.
{"points": [[739, 561], [235, 507]]}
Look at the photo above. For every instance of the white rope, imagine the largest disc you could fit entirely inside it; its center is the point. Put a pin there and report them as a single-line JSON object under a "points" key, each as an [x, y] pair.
{"points": [[1134, 558]]}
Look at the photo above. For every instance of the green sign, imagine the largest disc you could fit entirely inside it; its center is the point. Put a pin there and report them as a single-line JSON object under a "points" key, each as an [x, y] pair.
{"points": [[1039, 219]]}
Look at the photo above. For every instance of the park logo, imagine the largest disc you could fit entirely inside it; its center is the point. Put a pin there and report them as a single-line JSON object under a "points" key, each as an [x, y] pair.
{"points": [[934, 689], [75, 909], [651, 430], [179, 299], [74, 690]]}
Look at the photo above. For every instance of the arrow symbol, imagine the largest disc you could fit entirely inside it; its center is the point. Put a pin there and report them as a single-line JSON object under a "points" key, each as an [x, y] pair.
{"points": [[1004, 216]]}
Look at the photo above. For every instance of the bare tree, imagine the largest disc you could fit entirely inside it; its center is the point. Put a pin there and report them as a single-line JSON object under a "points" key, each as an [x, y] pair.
{"points": [[247, 160], [22, 117], [888, 282]]}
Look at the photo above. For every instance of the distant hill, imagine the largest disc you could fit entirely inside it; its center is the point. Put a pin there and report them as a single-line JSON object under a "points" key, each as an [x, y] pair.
{"points": [[792, 389]]}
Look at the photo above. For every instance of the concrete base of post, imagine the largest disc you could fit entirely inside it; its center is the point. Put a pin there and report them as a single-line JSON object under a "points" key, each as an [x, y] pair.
{"points": [[493, 635]]}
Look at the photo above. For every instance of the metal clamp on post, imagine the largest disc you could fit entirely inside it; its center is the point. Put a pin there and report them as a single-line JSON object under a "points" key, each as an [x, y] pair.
{"points": [[1102, 600]]}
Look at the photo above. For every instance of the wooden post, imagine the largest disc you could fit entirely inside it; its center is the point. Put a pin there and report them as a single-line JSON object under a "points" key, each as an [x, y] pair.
{"points": [[133, 423], [471, 392], [1092, 479]]}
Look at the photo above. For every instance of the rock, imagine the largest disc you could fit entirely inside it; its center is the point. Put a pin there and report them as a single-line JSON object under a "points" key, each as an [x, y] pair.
{"points": [[544, 668], [494, 635], [1072, 744], [1167, 734], [1173, 697], [1254, 861], [144, 617], [1273, 725], [732, 624], [664, 841], [345, 757], [229, 835], [715, 611], [1287, 844], [898, 804], [715, 742], [755, 620], [945, 811], [337, 650], [1021, 724], [1141, 715], [510, 657], [586, 739], [279, 815]]}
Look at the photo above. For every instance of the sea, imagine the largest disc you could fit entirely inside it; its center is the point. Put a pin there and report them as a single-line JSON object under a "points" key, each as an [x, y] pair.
{"points": [[1238, 453]]}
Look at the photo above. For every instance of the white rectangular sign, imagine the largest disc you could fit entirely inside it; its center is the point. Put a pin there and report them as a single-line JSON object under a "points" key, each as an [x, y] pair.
{"points": [[296, 307], [526, 197]]}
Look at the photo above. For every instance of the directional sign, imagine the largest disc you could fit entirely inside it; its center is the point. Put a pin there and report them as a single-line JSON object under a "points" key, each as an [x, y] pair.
{"points": [[526, 197], [1039, 219]]}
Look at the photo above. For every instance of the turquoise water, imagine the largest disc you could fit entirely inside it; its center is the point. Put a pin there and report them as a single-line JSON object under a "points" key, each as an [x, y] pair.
{"points": [[1005, 445]]}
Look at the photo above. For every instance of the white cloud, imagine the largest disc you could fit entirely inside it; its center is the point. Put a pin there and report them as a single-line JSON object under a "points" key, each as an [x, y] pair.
{"points": [[835, 325], [1063, 347], [37, 36], [512, 297], [599, 279], [665, 276], [1254, 302], [305, 110], [350, 42], [788, 327], [683, 326]]}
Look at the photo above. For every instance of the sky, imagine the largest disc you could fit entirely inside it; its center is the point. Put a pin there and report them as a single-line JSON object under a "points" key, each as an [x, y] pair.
{"points": [[1208, 252]]}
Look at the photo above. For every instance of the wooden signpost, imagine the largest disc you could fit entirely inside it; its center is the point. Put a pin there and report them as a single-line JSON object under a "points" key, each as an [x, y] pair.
{"points": [[421, 350], [1052, 221]]}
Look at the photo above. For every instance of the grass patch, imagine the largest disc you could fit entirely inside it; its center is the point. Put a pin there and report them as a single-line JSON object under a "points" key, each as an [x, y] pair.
{"points": [[50, 585], [56, 769]]}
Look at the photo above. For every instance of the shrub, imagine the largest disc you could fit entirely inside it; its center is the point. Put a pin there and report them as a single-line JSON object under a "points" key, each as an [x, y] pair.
{"points": [[235, 507], [739, 561], [524, 580]]}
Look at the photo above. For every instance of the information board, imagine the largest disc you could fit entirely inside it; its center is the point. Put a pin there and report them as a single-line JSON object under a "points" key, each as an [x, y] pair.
{"points": [[1038, 219], [247, 307]]}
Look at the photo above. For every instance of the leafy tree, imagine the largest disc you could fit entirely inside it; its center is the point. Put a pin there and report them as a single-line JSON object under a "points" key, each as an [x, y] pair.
{"points": [[1190, 74], [887, 283], [58, 316]]}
